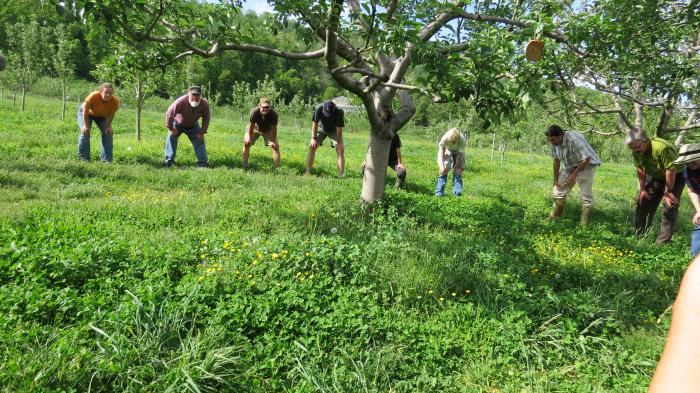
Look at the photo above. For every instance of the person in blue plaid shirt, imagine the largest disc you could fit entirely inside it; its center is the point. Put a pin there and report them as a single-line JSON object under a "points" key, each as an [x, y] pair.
{"points": [[572, 151]]}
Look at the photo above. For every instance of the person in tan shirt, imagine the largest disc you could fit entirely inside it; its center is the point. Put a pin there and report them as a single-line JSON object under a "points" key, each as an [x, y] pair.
{"points": [[99, 107]]}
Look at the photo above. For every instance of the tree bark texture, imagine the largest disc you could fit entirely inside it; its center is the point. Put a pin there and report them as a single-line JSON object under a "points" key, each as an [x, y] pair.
{"points": [[375, 168], [139, 105]]}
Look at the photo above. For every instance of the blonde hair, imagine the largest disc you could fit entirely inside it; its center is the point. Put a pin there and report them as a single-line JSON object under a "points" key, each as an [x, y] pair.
{"points": [[264, 100], [106, 85], [453, 135]]}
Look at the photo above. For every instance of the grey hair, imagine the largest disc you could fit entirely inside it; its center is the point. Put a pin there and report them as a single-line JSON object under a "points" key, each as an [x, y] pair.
{"points": [[636, 136]]}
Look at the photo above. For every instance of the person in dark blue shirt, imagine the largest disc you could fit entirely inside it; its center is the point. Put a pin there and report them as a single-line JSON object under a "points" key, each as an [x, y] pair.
{"points": [[331, 120]]}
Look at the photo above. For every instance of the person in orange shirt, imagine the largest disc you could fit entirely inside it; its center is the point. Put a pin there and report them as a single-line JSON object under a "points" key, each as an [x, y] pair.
{"points": [[99, 107]]}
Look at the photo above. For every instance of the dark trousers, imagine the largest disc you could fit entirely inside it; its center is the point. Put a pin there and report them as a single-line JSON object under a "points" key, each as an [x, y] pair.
{"points": [[644, 215]]}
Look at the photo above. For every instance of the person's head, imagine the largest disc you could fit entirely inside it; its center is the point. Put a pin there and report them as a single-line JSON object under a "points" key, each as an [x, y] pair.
{"points": [[264, 105], [194, 95], [453, 135], [554, 134], [689, 155], [328, 107], [106, 91], [637, 141]]}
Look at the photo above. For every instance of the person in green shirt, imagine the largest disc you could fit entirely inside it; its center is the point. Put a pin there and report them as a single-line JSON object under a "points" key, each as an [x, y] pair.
{"points": [[659, 179]]}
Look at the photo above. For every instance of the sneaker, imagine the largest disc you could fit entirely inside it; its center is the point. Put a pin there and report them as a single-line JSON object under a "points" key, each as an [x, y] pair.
{"points": [[244, 164], [202, 165], [341, 175], [169, 164], [399, 183], [439, 194]]}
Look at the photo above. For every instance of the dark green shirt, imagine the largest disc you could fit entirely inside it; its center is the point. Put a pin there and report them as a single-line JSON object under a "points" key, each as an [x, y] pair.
{"points": [[658, 159]]}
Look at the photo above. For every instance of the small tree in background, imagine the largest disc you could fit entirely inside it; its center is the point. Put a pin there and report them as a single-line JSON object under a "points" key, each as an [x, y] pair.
{"points": [[25, 66], [63, 62], [135, 71]]}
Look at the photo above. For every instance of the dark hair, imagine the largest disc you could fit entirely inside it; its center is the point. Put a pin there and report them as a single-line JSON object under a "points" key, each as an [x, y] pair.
{"points": [[554, 130]]}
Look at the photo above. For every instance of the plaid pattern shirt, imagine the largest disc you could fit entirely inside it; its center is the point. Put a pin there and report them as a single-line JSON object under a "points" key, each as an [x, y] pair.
{"points": [[574, 149]]}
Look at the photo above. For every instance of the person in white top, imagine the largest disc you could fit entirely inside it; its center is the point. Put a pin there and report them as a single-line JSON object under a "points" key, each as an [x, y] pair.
{"points": [[451, 155]]}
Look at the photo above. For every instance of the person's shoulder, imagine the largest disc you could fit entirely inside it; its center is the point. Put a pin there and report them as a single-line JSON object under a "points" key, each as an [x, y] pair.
{"points": [[339, 111], [92, 97], [255, 111]]}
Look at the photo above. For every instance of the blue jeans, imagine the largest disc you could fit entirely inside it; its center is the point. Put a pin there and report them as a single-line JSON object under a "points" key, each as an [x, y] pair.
{"points": [[695, 241], [456, 184], [84, 140], [193, 133]]}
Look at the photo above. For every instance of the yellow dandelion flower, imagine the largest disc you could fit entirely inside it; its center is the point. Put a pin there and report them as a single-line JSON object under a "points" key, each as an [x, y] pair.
{"points": [[205, 241], [430, 291], [454, 294], [275, 255], [255, 262], [419, 297], [441, 298]]}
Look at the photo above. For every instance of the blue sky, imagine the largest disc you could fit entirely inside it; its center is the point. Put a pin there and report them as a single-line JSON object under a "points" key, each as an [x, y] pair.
{"points": [[259, 6]]}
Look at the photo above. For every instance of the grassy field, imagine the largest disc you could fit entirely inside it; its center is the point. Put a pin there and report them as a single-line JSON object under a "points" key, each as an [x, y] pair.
{"points": [[132, 277]]}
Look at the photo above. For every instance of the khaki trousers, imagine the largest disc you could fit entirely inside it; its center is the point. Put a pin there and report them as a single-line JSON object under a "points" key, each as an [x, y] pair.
{"points": [[585, 185]]}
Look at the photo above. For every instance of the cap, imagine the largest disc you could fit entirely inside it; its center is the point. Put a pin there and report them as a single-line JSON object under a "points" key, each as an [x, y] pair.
{"points": [[688, 153], [328, 107], [195, 89]]}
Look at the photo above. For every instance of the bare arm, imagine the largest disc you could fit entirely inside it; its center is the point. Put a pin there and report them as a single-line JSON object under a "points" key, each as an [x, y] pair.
{"points": [[274, 132], [556, 165], [642, 176], [695, 200], [678, 370], [669, 198], [249, 132], [339, 131]]}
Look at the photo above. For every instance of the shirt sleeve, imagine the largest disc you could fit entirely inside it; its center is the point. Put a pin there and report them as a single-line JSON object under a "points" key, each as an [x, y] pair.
{"points": [[341, 118], [443, 141], [275, 118], [666, 158], [252, 118], [578, 142], [170, 115], [206, 116], [115, 107]]}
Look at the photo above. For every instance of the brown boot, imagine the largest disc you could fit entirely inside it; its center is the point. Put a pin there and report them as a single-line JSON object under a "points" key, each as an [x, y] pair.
{"points": [[586, 214], [557, 209]]}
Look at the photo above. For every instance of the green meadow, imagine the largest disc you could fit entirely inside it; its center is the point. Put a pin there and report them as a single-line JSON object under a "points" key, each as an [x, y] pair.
{"points": [[131, 277]]}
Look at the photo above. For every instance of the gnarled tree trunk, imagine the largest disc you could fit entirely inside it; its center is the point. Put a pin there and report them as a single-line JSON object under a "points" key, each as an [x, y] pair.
{"points": [[376, 160]]}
